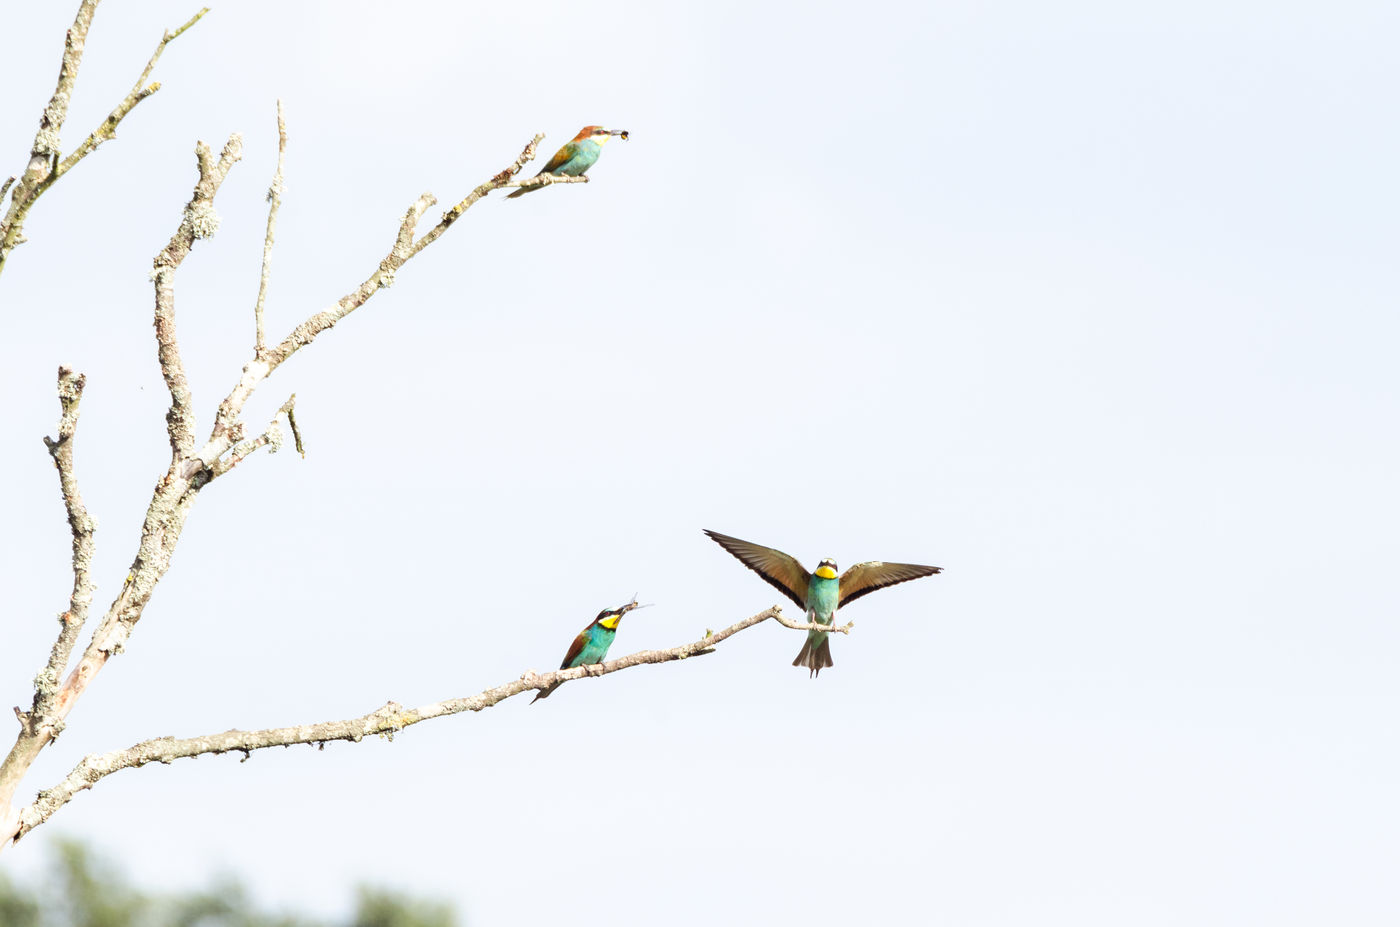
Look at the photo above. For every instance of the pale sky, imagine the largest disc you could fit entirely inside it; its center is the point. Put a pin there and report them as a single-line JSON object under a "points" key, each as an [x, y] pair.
{"points": [[1091, 304]]}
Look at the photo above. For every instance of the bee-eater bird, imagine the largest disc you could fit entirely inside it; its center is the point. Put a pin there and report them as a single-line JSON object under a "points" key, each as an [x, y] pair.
{"points": [[820, 593], [592, 643], [577, 156]]}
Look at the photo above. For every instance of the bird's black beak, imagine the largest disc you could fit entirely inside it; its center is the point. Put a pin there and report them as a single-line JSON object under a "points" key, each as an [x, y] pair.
{"points": [[621, 133], [630, 606]]}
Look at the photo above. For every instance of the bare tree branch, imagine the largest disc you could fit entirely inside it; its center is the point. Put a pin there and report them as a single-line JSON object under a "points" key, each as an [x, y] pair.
{"points": [[170, 503], [165, 517], [44, 154], [82, 526], [188, 473], [139, 91], [44, 721], [503, 179], [199, 221], [544, 180], [385, 721], [274, 198], [175, 494], [45, 166], [403, 250]]}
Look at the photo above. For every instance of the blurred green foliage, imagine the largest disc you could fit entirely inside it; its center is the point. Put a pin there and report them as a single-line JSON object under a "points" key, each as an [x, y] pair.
{"points": [[83, 890]]}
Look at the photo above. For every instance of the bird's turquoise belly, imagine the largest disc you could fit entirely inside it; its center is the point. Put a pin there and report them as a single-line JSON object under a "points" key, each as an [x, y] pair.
{"points": [[594, 650], [821, 599]]}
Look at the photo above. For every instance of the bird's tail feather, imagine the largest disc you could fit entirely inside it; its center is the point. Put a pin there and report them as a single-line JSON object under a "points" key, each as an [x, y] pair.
{"points": [[544, 693], [814, 658]]}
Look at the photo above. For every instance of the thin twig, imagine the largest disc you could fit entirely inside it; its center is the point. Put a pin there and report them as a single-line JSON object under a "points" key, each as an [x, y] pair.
{"points": [[274, 198], [386, 721], [271, 438], [787, 622], [290, 406]]}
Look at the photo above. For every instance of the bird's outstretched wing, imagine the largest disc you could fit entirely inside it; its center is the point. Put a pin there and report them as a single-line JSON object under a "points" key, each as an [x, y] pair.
{"points": [[780, 570], [873, 574]]}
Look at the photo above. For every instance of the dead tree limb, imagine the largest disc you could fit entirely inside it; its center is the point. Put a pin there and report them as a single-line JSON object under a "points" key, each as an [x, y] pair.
{"points": [[385, 721], [191, 468]]}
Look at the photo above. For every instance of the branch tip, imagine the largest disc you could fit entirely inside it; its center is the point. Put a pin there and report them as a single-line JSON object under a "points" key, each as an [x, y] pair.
{"points": [[274, 199]]}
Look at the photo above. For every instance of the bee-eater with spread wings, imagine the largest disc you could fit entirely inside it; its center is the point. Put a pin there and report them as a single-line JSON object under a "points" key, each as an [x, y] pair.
{"points": [[821, 593]]}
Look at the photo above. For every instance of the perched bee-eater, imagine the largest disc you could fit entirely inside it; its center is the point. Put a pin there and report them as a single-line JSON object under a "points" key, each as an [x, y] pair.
{"points": [[577, 156], [820, 593], [592, 643]]}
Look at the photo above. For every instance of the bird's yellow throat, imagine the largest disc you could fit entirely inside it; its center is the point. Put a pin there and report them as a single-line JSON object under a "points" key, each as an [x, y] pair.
{"points": [[826, 572], [610, 622]]}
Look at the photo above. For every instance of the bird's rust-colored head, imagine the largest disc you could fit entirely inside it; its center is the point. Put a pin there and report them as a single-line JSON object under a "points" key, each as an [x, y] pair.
{"points": [[599, 134]]}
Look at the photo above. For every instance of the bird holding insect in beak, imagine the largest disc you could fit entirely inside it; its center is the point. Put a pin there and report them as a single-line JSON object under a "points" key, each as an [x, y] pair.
{"points": [[592, 643], [821, 593], [577, 156]]}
